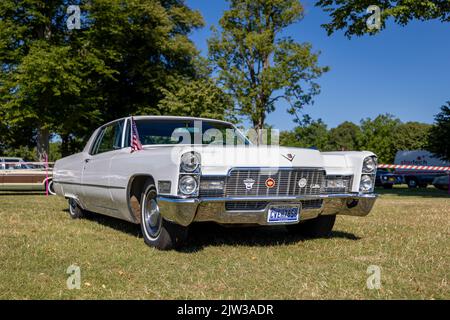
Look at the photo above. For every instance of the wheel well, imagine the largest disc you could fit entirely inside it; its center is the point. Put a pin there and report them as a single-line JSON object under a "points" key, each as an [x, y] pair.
{"points": [[136, 188]]}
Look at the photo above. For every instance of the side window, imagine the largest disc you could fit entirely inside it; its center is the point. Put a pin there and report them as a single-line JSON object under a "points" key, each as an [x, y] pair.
{"points": [[118, 132], [109, 138], [97, 140], [127, 140], [12, 164]]}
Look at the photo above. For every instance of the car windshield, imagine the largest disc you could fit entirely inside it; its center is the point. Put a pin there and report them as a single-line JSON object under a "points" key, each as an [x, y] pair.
{"points": [[153, 131]]}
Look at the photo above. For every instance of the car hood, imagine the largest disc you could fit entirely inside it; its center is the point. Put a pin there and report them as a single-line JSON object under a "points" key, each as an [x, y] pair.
{"points": [[219, 159]]}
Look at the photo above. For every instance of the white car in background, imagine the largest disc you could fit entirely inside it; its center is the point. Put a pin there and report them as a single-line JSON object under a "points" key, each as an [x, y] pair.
{"points": [[186, 174]]}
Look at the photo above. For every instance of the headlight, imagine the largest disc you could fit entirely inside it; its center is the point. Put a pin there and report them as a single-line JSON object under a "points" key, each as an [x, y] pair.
{"points": [[366, 183], [190, 161], [369, 165], [188, 185]]}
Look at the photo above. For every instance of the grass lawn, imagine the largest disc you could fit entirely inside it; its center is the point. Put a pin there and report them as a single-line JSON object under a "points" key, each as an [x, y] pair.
{"points": [[407, 235]]}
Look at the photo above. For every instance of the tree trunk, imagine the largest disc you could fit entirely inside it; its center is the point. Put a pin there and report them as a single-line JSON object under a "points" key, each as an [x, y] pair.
{"points": [[43, 137], [258, 124], [65, 145]]}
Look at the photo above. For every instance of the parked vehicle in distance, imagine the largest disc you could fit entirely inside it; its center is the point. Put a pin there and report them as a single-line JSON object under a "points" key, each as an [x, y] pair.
{"points": [[187, 173], [387, 179], [418, 178], [441, 182], [17, 175]]}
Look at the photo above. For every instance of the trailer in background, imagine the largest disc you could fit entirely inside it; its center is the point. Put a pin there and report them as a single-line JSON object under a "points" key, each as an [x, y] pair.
{"points": [[417, 177]]}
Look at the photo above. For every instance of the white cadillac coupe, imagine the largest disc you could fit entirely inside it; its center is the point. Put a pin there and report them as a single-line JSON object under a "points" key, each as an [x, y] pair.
{"points": [[192, 169]]}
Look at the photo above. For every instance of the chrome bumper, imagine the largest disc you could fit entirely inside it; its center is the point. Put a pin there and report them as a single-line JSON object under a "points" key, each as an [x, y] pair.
{"points": [[184, 211]]}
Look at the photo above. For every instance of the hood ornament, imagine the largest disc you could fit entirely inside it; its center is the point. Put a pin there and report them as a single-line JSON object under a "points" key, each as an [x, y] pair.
{"points": [[289, 156]]}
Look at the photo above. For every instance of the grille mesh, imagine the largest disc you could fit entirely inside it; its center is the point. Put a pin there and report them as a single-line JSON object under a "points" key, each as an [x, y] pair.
{"points": [[261, 205], [245, 205], [286, 182], [312, 204]]}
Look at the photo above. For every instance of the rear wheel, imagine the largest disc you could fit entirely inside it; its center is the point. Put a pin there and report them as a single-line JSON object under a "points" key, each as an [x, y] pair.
{"points": [[157, 232], [315, 228], [75, 211]]}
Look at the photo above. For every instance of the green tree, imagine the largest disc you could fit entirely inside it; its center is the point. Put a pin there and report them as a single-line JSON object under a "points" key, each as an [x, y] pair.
{"points": [[63, 81], [41, 73], [345, 137], [200, 98], [257, 65], [411, 136], [308, 134], [439, 141], [351, 15], [378, 136], [146, 43]]}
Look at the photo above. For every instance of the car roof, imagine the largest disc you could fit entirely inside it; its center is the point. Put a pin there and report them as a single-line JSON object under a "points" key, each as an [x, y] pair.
{"points": [[150, 117]]}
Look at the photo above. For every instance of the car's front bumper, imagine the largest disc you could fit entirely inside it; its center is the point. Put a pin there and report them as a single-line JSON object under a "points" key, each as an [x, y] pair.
{"points": [[184, 211]]}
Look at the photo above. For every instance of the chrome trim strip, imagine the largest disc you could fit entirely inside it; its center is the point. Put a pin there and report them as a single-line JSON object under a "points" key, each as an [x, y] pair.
{"points": [[274, 168], [289, 198], [88, 185]]}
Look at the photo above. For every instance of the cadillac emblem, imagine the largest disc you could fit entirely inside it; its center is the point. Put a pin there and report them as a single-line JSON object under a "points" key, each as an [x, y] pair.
{"points": [[249, 183], [270, 183], [289, 156]]}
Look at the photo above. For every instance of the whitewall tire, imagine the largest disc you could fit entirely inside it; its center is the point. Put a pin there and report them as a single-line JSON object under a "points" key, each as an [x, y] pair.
{"points": [[156, 231]]}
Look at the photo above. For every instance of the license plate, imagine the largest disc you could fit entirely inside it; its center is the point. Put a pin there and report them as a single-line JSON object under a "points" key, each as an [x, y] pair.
{"points": [[283, 214]]}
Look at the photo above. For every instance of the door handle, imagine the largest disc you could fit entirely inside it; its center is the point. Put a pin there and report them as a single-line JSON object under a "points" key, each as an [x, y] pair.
{"points": [[87, 160]]}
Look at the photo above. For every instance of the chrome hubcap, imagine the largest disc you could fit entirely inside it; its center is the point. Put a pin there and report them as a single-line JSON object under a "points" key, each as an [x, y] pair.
{"points": [[152, 218]]}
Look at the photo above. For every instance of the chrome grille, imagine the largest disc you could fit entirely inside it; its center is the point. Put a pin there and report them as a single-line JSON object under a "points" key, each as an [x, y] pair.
{"points": [[261, 205], [312, 204], [245, 205], [286, 182]]}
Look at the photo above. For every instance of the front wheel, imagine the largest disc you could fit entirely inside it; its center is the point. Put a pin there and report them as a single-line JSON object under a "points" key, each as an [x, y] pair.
{"points": [[319, 227], [156, 231]]}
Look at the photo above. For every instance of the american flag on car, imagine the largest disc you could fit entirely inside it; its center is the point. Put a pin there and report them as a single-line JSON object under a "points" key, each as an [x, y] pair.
{"points": [[135, 141]]}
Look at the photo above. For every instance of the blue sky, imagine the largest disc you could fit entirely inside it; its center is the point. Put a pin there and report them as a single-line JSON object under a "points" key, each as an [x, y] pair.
{"points": [[404, 71]]}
